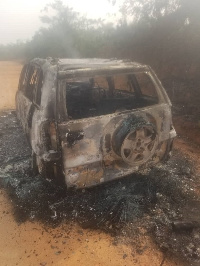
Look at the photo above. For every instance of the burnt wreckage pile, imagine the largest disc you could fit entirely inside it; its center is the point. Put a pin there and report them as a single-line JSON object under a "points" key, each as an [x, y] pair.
{"points": [[161, 201]]}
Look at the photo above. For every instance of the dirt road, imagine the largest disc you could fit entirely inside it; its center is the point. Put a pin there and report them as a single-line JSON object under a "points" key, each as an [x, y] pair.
{"points": [[9, 77], [32, 243], [127, 222]]}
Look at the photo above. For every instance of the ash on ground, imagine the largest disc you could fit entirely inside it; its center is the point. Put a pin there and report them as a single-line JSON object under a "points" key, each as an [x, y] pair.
{"points": [[161, 204]]}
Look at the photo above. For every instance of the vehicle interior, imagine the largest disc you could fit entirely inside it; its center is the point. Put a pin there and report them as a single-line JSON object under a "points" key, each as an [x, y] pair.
{"points": [[102, 95]]}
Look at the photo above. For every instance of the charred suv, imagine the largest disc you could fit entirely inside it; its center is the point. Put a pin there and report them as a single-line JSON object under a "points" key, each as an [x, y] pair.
{"points": [[90, 121]]}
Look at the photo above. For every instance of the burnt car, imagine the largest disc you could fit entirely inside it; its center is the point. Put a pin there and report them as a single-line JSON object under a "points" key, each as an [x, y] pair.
{"points": [[90, 121]]}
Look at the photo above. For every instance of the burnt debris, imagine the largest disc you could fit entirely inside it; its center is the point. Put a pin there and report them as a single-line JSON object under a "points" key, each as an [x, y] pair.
{"points": [[161, 201]]}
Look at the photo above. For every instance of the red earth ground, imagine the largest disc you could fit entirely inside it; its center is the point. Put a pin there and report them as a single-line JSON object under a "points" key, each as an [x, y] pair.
{"points": [[32, 243]]}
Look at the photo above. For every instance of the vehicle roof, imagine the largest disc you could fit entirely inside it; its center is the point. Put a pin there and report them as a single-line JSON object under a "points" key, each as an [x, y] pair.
{"points": [[92, 63], [67, 64], [69, 68]]}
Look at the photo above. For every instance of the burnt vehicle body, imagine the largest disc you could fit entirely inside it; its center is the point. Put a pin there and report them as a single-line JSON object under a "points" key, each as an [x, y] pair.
{"points": [[89, 121]]}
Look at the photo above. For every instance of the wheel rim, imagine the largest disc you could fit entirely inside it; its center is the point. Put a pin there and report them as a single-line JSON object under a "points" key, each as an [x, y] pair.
{"points": [[139, 145]]}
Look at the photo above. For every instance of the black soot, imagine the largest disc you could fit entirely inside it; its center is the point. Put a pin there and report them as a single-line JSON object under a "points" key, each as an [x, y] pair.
{"points": [[162, 201]]}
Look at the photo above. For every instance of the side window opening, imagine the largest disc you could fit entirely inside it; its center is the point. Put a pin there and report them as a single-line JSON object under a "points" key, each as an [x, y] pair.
{"points": [[23, 78], [101, 95], [146, 85], [32, 84]]}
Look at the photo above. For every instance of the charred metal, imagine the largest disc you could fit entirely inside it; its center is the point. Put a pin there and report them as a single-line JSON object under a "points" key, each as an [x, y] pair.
{"points": [[73, 137], [89, 121]]}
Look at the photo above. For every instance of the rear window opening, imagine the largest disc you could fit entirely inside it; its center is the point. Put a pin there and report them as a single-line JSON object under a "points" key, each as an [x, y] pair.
{"points": [[102, 95]]}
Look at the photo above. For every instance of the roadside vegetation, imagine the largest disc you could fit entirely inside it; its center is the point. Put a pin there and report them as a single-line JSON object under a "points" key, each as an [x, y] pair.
{"points": [[162, 33]]}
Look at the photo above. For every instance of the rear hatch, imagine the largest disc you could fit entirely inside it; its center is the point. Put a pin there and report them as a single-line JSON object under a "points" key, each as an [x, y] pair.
{"points": [[115, 124], [89, 150]]}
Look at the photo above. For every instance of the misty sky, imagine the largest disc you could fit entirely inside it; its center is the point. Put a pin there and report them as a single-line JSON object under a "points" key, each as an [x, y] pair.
{"points": [[19, 19]]}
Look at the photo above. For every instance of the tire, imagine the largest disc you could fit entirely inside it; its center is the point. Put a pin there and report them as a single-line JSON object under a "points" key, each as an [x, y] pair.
{"points": [[135, 140]]}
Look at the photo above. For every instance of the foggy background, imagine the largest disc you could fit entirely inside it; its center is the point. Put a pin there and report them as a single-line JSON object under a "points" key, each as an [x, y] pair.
{"points": [[163, 34]]}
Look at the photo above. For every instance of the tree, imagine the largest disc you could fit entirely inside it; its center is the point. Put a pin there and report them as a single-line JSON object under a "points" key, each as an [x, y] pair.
{"points": [[148, 10]]}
